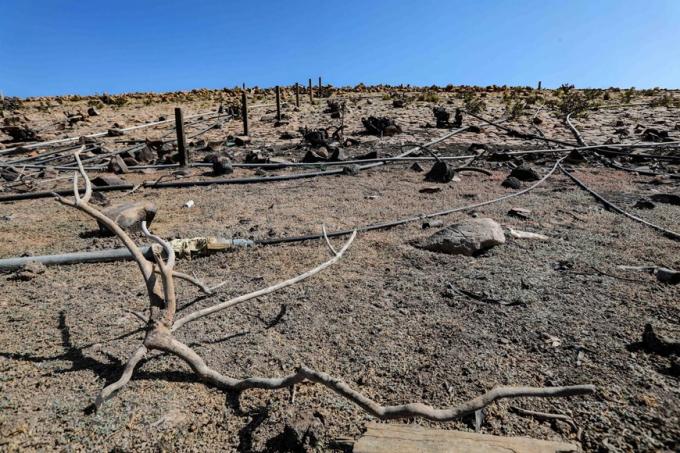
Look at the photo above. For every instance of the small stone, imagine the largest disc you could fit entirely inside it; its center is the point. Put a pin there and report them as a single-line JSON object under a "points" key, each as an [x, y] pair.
{"points": [[351, 170], [644, 203], [117, 165], [430, 190], [31, 270], [338, 155], [525, 174], [667, 198], [256, 157], [222, 166], [440, 172], [417, 167], [115, 132], [287, 135], [92, 111], [665, 275], [108, 180], [512, 183], [432, 224], [145, 155], [465, 238], [242, 140]]}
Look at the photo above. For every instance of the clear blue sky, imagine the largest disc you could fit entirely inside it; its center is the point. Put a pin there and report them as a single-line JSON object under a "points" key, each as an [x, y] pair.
{"points": [[50, 47]]}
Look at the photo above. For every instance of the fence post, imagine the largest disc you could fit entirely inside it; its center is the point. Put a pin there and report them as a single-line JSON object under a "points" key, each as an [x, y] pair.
{"points": [[184, 159], [278, 103], [539, 84], [297, 94], [311, 92], [244, 112]]}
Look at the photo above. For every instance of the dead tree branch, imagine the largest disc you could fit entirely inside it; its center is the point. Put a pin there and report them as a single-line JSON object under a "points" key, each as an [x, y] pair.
{"points": [[161, 324]]}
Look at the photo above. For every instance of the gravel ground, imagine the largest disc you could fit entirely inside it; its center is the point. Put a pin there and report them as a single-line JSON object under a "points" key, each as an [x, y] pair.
{"points": [[381, 319]]}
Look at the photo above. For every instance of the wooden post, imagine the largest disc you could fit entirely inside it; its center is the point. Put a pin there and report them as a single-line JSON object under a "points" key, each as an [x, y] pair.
{"points": [[297, 94], [278, 103], [181, 138], [311, 92], [539, 84], [243, 86], [244, 112], [319, 93]]}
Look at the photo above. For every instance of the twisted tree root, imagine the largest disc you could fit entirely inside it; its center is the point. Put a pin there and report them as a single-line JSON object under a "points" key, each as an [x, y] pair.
{"points": [[165, 342]]}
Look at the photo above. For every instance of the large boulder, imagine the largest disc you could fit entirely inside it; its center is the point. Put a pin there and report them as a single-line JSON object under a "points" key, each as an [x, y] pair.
{"points": [[130, 216], [465, 238]]}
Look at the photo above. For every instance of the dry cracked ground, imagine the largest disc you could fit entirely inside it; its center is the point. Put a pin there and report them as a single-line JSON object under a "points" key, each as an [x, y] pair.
{"points": [[384, 318]]}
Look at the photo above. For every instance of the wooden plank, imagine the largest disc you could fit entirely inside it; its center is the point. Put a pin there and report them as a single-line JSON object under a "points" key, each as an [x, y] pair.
{"points": [[393, 438]]}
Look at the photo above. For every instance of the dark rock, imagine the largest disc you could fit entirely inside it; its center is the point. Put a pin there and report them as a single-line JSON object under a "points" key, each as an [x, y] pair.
{"points": [[316, 137], [417, 167], [145, 155], [575, 158], [398, 103], [242, 140], [465, 238], [440, 172], [644, 203], [315, 156], [20, 134], [380, 126], [655, 135], [667, 198], [525, 174], [108, 180], [369, 155], [442, 116], [432, 224], [130, 161], [512, 183], [92, 111], [256, 157], [338, 155], [115, 132], [117, 165], [222, 166], [664, 275], [287, 135]]}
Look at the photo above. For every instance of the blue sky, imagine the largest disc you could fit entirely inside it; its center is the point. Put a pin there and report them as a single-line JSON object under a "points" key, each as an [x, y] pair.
{"points": [[50, 47]]}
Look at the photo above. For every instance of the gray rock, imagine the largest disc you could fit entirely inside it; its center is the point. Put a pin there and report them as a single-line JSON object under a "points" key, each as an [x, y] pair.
{"points": [[130, 216], [465, 238]]}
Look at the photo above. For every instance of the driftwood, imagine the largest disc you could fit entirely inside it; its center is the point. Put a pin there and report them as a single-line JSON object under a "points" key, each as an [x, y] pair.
{"points": [[159, 276]]}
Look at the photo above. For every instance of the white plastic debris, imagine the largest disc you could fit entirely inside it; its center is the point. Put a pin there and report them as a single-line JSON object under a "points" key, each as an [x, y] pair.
{"points": [[189, 204]]}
